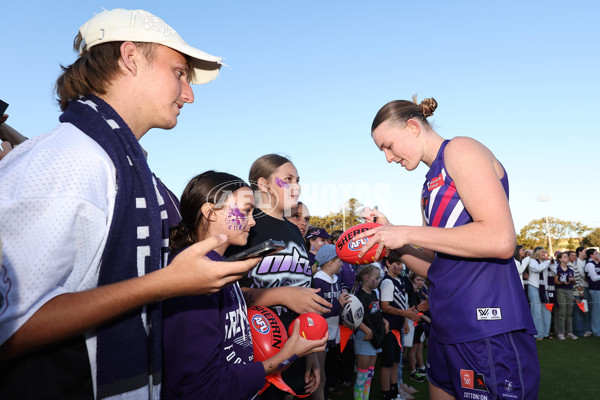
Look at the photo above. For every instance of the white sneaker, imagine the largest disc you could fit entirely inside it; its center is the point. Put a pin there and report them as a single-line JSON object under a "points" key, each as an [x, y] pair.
{"points": [[408, 389], [560, 336], [400, 397], [405, 395], [571, 336]]}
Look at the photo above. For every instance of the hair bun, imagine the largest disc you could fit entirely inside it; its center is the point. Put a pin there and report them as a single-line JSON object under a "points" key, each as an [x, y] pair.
{"points": [[428, 106]]}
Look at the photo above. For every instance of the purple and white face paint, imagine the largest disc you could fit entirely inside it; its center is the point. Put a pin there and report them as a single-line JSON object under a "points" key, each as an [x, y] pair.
{"points": [[281, 184], [236, 219]]}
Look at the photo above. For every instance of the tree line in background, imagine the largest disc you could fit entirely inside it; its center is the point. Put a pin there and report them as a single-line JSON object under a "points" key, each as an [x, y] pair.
{"points": [[564, 235]]}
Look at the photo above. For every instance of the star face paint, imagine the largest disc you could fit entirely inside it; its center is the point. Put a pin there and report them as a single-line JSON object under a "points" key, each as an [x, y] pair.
{"points": [[281, 183], [236, 219]]}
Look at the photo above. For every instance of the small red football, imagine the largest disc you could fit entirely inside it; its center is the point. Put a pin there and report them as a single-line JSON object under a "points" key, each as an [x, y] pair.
{"points": [[347, 250], [312, 326], [268, 332]]}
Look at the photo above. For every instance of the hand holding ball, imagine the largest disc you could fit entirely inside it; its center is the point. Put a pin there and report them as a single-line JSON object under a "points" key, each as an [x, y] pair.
{"points": [[312, 326], [268, 332], [347, 250]]}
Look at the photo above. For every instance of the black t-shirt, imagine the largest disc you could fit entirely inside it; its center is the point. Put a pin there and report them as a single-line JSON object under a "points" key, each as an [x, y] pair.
{"points": [[288, 267], [373, 317]]}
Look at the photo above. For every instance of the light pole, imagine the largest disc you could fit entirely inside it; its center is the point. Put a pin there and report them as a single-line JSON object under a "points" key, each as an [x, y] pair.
{"points": [[545, 199]]}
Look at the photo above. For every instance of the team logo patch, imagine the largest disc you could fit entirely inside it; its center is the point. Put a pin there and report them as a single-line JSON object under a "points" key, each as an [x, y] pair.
{"points": [[260, 323], [489, 314], [471, 380]]}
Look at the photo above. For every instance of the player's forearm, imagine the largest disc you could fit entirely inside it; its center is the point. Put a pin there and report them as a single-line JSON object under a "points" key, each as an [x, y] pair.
{"points": [[72, 314], [474, 240]]}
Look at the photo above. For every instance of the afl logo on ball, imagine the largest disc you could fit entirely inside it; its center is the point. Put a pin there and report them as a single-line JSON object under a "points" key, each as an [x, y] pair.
{"points": [[260, 323], [356, 246]]}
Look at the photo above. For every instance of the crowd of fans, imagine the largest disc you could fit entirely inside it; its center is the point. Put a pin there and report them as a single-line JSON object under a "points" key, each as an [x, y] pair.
{"points": [[562, 290]]}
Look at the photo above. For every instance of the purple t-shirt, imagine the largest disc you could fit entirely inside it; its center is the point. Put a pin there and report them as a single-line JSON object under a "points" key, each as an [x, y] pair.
{"points": [[469, 298], [331, 289], [208, 347], [564, 276]]}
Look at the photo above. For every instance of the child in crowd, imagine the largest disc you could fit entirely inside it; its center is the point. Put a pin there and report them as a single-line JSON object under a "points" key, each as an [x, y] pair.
{"points": [[327, 280], [368, 338], [563, 281], [300, 216], [415, 355], [395, 295], [275, 182], [207, 340], [315, 239]]}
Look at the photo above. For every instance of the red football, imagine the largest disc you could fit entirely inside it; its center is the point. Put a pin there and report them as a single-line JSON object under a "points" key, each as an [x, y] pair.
{"points": [[347, 250], [312, 326], [268, 332]]}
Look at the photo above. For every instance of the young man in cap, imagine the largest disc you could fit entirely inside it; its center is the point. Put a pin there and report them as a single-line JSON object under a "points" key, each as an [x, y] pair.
{"points": [[85, 223]]}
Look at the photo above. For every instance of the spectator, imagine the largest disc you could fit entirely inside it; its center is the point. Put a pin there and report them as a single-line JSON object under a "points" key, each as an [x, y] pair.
{"points": [[563, 311], [581, 321], [208, 344], [326, 279], [522, 262], [300, 216], [368, 338], [274, 179], [538, 272], [59, 196], [398, 313], [315, 239], [592, 270], [415, 356]]}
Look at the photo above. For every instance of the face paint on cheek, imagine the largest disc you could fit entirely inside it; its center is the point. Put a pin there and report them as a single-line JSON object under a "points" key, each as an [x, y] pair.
{"points": [[236, 220], [281, 183]]}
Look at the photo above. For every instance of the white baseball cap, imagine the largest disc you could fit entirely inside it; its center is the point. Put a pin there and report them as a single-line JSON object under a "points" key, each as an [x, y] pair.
{"points": [[141, 26]]}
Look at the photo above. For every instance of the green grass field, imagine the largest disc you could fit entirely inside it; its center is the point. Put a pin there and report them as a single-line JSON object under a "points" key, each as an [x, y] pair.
{"points": [[569, 371]]}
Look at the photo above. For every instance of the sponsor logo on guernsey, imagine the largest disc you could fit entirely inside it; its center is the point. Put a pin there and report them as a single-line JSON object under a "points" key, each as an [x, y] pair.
{"points": [[489, 314], [471, 380], [435, 182]]}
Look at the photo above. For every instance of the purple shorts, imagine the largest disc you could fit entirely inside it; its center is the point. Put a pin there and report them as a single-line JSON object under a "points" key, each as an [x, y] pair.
{"points": [[503, 366]]}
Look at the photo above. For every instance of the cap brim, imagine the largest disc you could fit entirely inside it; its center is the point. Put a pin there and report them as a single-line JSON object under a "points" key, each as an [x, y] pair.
{"points": [[206, 66]]}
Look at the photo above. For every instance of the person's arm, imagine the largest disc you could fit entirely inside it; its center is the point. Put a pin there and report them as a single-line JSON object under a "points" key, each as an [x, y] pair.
{"points": [[410, 313], [295, 347], [9, 134], [557, 281], [536, 266], [368, 332], [522, 265], [5, 148], [299, 299], [476, 174], [591, 271], [71, 314]]}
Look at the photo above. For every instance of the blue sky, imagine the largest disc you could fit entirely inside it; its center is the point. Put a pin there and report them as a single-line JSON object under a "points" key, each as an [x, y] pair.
{"points": [[305, 79]]}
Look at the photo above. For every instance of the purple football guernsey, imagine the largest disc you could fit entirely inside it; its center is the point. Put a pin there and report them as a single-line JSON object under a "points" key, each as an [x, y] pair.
{"points": [[469, 298]]}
